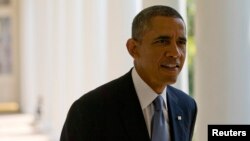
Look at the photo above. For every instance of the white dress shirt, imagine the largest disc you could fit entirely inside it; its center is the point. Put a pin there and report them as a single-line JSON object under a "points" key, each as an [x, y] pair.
{"points": [[146, 96]]}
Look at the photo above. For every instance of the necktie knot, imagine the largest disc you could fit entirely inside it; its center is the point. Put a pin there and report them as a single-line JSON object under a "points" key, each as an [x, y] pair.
{"points": [[158, 103]]}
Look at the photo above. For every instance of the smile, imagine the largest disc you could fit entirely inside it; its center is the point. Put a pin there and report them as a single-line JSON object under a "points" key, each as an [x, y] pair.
{"points": [[170, 65]]}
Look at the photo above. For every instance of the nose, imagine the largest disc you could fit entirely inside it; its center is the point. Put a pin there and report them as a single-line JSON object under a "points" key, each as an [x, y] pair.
{"points": [[173, 51]]}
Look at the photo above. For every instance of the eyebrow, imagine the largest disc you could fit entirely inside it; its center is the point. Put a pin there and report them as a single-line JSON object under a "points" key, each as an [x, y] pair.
{"points": [[165, 37], [162, 37]]}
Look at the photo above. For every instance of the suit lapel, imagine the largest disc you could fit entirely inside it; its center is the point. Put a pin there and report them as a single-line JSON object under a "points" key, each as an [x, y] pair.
{"points": [[176, 117], [132, 115], [130, 111]]}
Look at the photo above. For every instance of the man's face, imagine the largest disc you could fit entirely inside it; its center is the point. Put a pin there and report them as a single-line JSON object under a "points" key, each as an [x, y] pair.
{"points": [[160, 54]]}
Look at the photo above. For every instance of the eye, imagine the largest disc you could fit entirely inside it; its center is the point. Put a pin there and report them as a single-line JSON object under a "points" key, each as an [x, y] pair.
{"points": [[182, 42], [162, 42]]}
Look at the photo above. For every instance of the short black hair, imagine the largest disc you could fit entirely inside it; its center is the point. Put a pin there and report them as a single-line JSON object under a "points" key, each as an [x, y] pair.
{"points": [[141, 21]]}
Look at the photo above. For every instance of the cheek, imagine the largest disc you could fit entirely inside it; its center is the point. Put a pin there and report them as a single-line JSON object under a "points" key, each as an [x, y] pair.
{"points": [[150, 60], [182, 59], [183, 54], [183, 50], [155, 57]]}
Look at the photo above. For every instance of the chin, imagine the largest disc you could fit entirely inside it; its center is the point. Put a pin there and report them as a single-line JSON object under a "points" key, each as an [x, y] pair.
{"points": [[171, 81]]}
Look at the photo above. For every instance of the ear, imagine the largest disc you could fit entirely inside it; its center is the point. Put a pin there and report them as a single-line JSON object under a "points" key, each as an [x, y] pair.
{"points": [[132, 47]]}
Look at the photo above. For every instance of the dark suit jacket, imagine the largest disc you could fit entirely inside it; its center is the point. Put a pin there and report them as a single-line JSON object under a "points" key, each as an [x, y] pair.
{"points": [[112, 112]]}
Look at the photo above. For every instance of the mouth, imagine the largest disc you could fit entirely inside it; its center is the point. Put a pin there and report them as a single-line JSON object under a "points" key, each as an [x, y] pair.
{"points": [[171, 67]]}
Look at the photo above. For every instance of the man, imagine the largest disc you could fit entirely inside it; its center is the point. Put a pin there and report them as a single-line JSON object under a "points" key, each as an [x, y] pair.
{"points": [[123, 109]]}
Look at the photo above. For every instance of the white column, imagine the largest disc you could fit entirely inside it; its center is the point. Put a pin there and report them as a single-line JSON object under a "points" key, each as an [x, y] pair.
{"points": [[180, 6], [120, 15], [51, 59], [28, 57], [95, 43], [64, 61], [222, 77]]}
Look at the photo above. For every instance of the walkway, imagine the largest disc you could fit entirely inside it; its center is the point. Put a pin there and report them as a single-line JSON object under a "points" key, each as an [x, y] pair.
{"points": [[19, 127]]}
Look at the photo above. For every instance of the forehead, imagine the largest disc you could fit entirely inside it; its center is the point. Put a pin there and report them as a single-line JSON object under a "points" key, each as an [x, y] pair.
{"points": [[167, 24]]}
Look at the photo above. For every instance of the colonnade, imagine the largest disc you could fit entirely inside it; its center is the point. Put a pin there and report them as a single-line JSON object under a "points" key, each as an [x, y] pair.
{"points": [[71, 47]]}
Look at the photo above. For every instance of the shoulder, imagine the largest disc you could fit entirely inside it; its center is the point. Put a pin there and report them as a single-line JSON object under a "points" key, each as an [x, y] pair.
{"points": [[87, 114], [105, 93], [179, 93], [181, 96]]}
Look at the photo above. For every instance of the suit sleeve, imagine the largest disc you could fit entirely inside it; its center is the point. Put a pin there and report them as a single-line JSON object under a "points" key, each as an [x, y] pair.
{"points": [[193, 120], [83, 122], [72, 127]]}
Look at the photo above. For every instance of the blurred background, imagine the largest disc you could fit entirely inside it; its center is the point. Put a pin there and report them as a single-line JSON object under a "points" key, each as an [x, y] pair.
{"points": [[54, 51]]}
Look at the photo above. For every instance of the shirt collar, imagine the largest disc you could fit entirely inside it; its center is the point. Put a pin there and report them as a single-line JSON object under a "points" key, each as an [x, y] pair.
{"points": [[144, 92]]}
